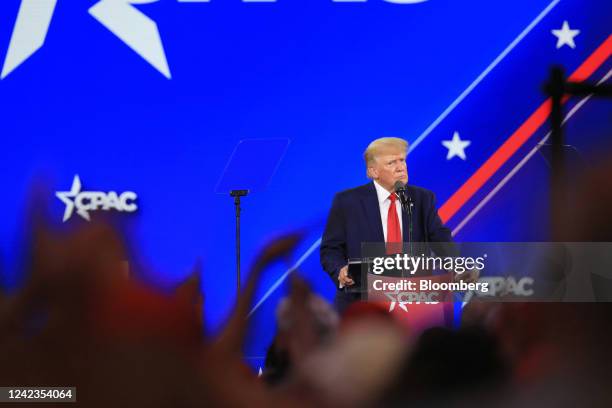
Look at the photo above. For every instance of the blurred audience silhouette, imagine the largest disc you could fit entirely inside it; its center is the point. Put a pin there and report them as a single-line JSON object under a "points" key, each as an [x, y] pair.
{"points": [[83, 319]]}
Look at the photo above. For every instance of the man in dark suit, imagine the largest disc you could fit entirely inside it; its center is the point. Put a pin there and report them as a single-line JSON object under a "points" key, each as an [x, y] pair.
{"points": [[372, 213]]}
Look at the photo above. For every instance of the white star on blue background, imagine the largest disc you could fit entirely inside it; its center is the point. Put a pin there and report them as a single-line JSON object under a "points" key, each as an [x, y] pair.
{"points": [[565, 36], [456, 147]]}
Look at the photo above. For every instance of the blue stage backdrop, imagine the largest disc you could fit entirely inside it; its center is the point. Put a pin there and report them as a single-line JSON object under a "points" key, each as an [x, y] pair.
{"points": [[153, 96]]}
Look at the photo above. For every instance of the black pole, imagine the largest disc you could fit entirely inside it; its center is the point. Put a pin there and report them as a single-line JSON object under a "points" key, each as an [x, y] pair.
{"points": [[237, 194], [559, 88], [556, 89]]}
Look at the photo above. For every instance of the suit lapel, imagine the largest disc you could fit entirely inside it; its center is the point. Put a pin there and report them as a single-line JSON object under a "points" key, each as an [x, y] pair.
{"points": [[370, 204]]}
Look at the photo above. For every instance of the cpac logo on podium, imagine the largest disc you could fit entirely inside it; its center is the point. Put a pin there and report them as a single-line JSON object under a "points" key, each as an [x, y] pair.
{"points": [[85, 201], [120, 17]]}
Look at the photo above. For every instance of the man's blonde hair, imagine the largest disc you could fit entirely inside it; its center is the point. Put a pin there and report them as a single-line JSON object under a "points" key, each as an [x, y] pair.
{"points": [[381, 146]]}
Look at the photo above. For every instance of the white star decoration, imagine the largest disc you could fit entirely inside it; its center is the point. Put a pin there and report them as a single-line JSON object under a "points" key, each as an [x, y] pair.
{"points": [[456, 146], [565, 36], [67, 198], [394, 301]]}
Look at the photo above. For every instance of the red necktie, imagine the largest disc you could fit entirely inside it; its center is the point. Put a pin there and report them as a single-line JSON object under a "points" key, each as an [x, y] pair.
{"points": [[394, 233]]}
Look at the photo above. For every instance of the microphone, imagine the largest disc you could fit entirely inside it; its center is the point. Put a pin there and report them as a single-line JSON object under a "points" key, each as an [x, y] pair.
{"points": [[399, 187], [402, 193]]}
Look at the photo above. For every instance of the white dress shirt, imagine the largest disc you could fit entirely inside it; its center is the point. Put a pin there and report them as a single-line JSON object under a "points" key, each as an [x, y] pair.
{"points": [[383, 203]]}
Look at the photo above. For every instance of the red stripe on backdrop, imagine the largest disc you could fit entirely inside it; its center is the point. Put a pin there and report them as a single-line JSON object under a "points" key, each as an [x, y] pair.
{"points": [[519, 137]]}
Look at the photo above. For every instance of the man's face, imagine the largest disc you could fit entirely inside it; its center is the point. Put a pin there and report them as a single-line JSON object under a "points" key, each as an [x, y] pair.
{"points": [[389, 167]]}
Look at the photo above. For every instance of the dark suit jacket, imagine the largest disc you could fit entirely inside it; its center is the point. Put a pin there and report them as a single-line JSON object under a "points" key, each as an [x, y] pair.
{"points": [[355, 218]]}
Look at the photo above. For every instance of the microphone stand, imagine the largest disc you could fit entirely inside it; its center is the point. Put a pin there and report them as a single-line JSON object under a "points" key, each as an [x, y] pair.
{"points": [[407, 205], [237, 194]]}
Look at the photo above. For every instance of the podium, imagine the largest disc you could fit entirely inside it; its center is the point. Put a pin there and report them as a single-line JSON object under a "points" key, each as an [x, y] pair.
{"points": [[415, 308], [400, 291]]}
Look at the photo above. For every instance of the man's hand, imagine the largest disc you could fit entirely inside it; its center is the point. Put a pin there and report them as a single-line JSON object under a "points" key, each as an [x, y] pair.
{"points": [[343, 277]]}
